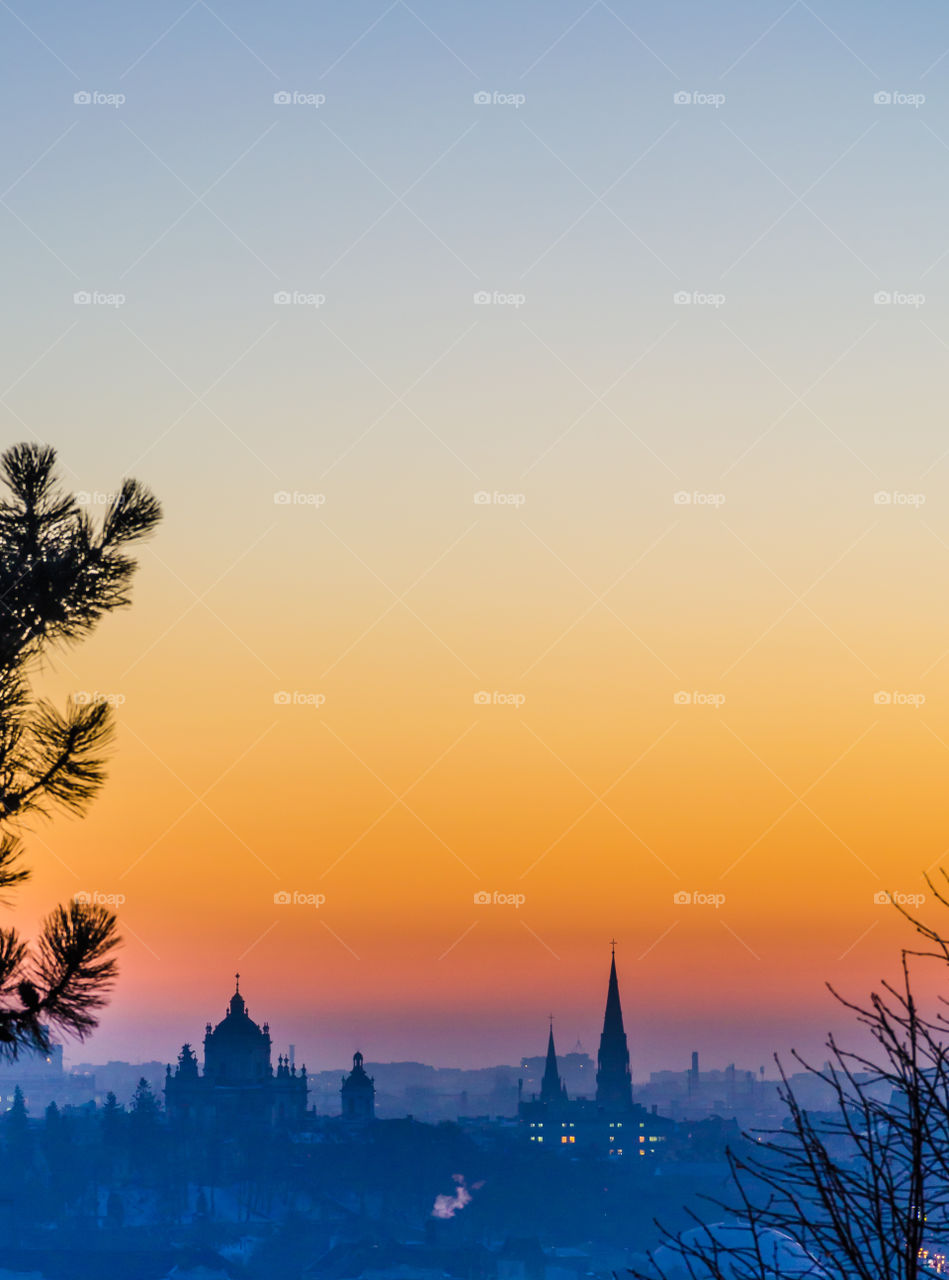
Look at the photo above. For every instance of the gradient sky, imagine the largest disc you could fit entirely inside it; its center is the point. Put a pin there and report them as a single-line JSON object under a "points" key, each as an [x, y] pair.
{"points": [[397, 598]]}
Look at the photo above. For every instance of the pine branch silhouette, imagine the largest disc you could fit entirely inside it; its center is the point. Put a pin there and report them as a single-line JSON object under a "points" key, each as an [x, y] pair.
{"points": [[60, 574]]}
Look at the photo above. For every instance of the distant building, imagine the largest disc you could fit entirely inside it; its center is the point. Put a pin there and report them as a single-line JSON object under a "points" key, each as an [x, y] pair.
{"points": [[238, 1084], [611, 1125], [553, 1092], [41, 1078], [358, 1094], [577, 1071], [691, 1094]]}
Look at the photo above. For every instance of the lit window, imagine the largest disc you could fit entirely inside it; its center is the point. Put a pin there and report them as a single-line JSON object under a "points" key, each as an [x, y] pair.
{"points": [[564, 1138]]}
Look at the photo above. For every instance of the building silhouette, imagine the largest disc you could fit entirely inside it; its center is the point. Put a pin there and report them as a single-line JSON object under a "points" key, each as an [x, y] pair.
{"points": [[358, 1094], [614, 1081], [553, 1092], [238, 1085], [608, 1124]]}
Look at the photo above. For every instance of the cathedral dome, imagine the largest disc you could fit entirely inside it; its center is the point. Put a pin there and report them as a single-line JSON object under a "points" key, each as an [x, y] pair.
{"points": [[237, 1024], [237, 1050]]}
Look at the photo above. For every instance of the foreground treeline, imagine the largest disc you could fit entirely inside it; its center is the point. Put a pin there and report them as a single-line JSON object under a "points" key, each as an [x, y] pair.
{"points": [[114, 1177], [114, 1168]]}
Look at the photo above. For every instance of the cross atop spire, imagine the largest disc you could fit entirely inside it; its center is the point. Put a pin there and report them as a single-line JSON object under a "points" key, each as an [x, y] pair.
{"points": [[613, 945], [237, 1005]]}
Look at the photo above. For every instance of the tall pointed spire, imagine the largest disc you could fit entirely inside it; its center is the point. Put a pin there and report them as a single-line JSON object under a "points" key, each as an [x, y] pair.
{"points": [[614, 1088], [551, 1090]]}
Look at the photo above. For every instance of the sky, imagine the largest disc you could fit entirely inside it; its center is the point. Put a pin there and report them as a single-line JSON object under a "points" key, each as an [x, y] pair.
{"points": [[547, 405]]}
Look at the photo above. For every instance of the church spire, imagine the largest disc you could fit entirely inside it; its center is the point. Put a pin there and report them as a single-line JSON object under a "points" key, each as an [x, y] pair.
{"points": [[551, 1090], [614, 1089]]}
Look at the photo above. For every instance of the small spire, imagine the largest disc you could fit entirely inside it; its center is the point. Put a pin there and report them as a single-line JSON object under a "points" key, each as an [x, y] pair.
{"points": [[237, 982], [551, 1089]]}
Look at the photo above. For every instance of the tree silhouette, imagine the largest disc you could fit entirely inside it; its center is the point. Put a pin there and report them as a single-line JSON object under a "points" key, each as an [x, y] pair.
{"points": [[18, 1140], [59, 574], [113, 1117], [860, 1190]]}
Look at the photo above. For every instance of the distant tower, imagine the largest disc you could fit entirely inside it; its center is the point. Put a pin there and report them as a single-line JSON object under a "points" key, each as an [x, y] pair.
{"points": [[614, 1081], [358, 1094], [552, 1090]]}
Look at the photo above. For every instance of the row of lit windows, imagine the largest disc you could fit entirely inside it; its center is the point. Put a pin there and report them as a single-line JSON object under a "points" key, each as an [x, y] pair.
{"points": [[617, 1124]]}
